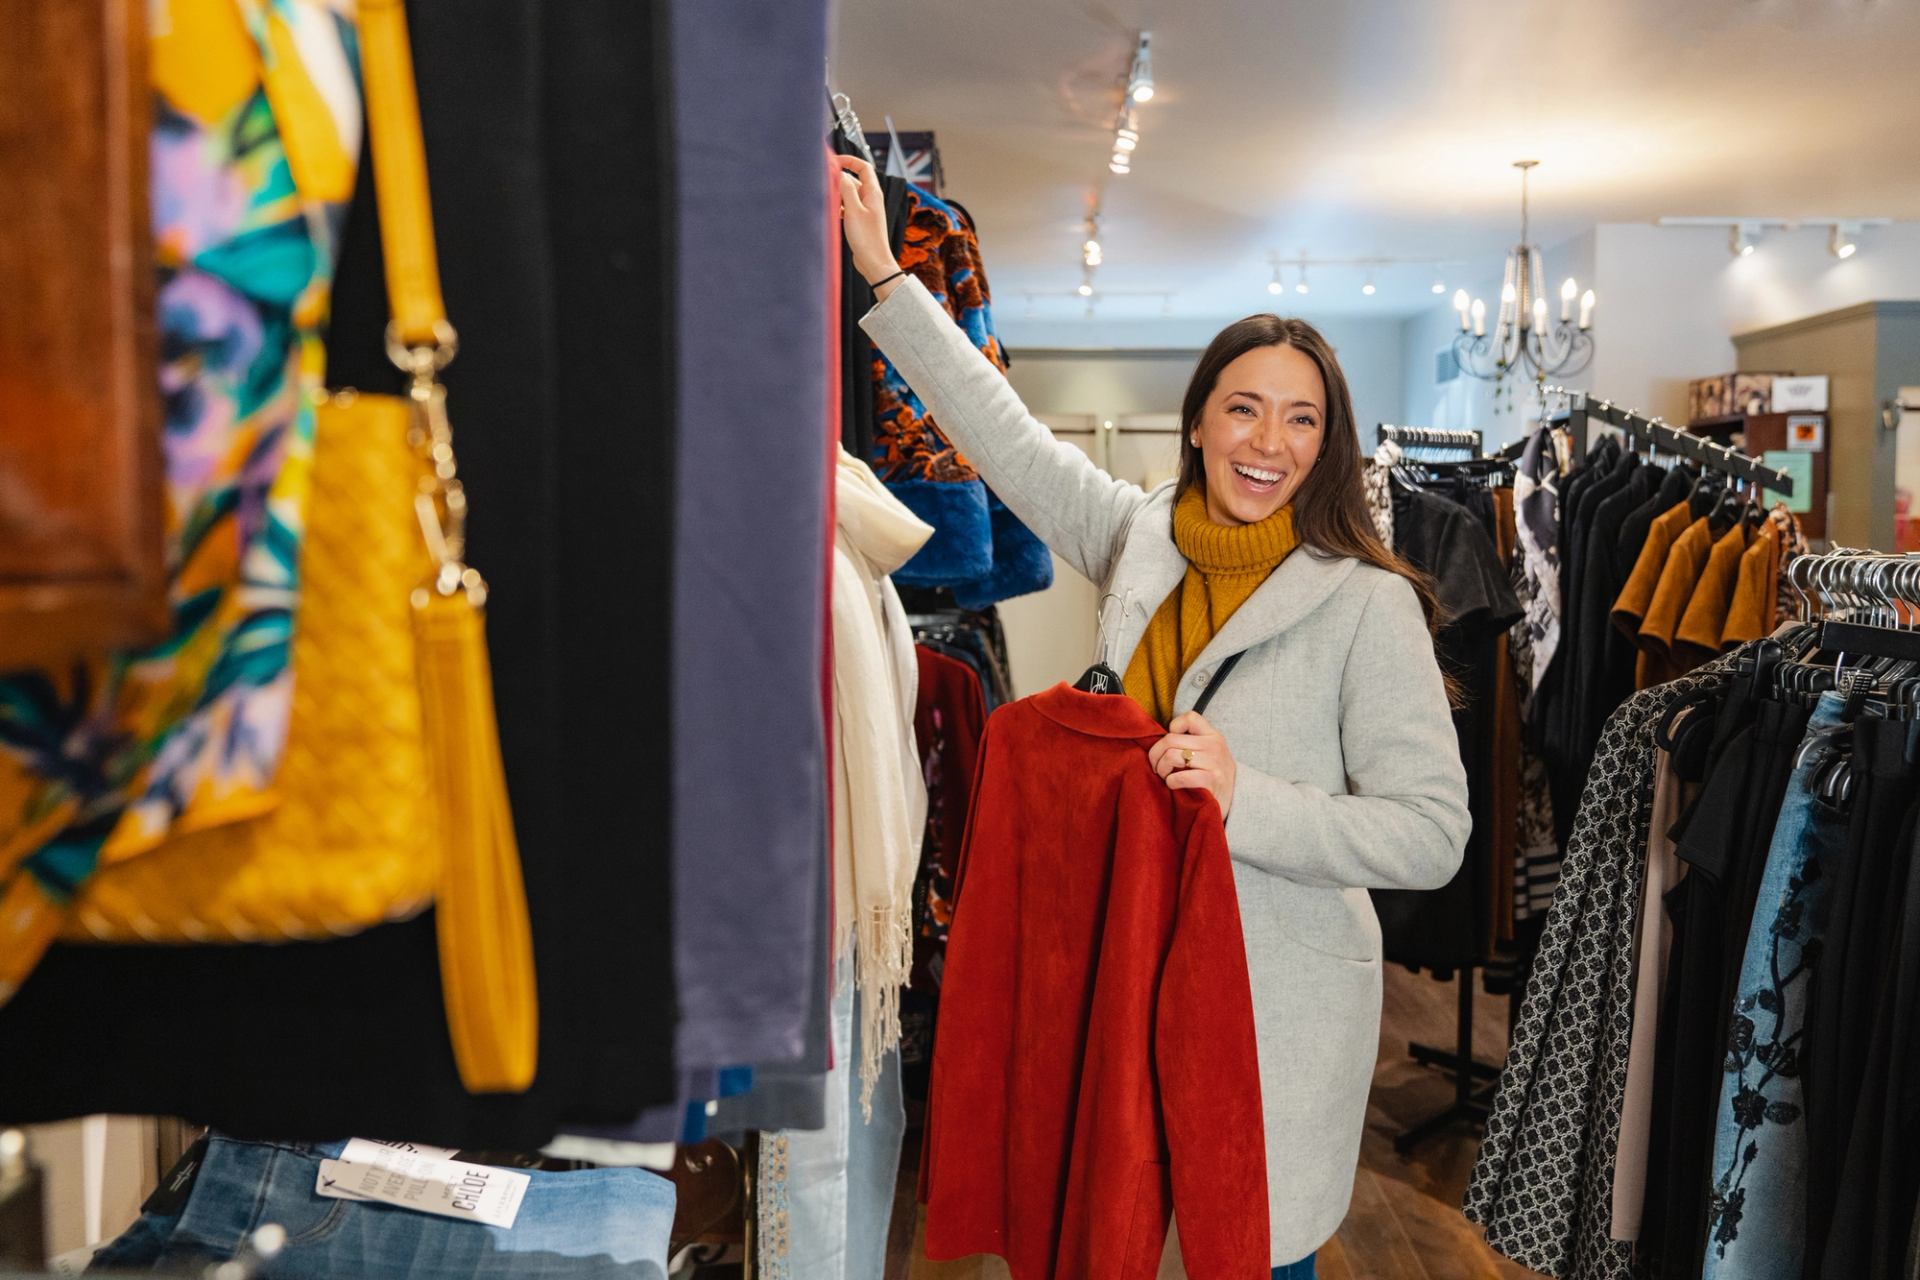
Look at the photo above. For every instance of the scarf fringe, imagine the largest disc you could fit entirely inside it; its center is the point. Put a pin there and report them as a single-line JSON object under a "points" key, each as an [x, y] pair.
{"points": [[883, 961]]}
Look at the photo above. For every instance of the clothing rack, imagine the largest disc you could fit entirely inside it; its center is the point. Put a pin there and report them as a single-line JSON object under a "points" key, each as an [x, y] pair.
{"points": [[1429, 437], [1660, 433], [1862, 596], [1474, 1081]]}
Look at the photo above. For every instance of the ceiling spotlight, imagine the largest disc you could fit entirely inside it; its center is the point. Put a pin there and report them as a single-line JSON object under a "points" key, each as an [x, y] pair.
{"points": [[1439, 284], [1085, 290], [1140, 77], [1300, 285], [1841, 243], [1091, 253], [1742, 239], [1120, 163], [1126, 140], [1368, 288]]}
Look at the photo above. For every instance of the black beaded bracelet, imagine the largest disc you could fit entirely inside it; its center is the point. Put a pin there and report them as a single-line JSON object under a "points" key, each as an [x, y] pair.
{"points": [[889, 280]]}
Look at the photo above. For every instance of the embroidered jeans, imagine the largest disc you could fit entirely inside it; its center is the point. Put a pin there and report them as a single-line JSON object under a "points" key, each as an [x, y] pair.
{"points": [[1757, 1206]]}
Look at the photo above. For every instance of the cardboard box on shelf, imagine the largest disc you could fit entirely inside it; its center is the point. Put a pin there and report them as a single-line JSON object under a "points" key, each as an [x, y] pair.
{"points": [[1797, 395], [1730, 395]]}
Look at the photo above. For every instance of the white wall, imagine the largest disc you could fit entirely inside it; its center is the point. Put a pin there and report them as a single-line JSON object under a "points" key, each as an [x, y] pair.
{"points": [[1123, 367], [1670, 301]]}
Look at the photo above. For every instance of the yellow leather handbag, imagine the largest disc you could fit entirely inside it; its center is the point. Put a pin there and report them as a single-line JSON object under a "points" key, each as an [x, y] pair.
{"points": [[391, 792]]}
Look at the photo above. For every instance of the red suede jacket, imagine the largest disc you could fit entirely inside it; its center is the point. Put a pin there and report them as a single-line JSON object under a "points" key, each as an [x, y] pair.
{"points": [[1095, 1066]]}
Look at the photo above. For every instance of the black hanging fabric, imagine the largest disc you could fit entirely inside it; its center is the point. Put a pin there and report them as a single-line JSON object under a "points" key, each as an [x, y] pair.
{"points": [[1450, 927], [856, 299]]}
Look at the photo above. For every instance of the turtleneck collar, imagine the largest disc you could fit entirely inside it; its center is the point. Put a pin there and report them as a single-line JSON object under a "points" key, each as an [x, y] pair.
{"points": [[1231, 549]]}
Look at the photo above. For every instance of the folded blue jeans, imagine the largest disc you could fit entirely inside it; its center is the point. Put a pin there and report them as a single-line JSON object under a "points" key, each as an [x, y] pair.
{"points": [[596, 1224], [1301, 1270]]}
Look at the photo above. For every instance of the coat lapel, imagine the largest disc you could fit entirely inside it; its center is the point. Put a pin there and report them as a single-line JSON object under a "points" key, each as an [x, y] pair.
{"points": [[1150, 567], [1300, 585]]}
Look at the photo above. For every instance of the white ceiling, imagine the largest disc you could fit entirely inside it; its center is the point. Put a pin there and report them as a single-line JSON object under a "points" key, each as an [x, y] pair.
{"points": [[1379, 128]]}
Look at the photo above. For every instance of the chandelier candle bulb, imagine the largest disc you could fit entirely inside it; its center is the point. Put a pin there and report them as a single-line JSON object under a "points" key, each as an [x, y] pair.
{"points": [[1568, 292], [1586, 310], [1479, 318], [1460, 303]]}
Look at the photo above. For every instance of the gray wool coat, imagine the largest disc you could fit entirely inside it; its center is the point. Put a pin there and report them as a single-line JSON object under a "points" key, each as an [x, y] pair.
{"points": [[1348, 770]]}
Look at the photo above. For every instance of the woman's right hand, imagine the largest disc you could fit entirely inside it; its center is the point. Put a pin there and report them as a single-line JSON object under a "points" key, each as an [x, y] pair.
{"points": [[863, 213]]}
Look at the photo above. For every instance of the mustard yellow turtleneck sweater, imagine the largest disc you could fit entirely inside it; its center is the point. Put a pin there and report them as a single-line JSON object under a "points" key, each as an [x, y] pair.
{"points": [[1225, 565]]}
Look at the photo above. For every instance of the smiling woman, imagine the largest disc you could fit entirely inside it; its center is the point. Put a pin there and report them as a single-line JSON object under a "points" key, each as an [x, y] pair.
{"points": [[1268, 406], [1331, 752]]}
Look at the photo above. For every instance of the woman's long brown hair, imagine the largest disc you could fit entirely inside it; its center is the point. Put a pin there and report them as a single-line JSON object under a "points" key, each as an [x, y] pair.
{"points": [[1330, 510]]}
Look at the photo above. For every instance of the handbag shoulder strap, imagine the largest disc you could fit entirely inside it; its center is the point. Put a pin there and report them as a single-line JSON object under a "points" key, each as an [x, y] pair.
{"points": [[1219, 678], [400, 183]]}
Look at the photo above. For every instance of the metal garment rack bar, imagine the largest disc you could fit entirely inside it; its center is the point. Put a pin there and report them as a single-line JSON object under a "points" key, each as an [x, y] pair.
{"points": [[1582, 411], [1429, 437], [1474, 1081]]}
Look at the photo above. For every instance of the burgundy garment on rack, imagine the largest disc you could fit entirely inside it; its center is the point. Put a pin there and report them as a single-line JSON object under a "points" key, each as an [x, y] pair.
{"points": [[949, 718]]}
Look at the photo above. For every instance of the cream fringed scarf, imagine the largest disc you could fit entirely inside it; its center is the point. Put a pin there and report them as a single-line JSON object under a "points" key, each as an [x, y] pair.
{"points": [[879, 796]]}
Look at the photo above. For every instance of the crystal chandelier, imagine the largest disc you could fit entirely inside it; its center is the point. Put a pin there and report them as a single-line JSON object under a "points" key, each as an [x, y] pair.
{"points": [[1525, 337]]}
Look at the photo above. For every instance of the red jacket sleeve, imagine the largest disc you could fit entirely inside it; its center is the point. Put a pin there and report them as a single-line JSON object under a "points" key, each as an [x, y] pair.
{"points": [[1208, 1065]]}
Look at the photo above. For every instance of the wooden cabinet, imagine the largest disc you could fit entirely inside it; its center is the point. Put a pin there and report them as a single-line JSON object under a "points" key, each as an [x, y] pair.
{"points": [[81, 522], [1762, 433]]}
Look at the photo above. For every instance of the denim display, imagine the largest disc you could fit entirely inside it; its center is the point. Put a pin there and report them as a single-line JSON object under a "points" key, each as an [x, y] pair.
{"points": [[598, 1224], [1757, 1205], [1301, 1270]]}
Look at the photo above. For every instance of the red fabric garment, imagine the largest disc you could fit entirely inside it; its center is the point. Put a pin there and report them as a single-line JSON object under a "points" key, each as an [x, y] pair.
{"points": [[949, 719], [831, 459], [1096, 1066]]}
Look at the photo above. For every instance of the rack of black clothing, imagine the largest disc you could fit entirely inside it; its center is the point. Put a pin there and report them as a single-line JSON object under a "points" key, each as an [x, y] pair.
{"points": [[1658, 432], [1430, 437], [1445, 520], [1731, 1006]]}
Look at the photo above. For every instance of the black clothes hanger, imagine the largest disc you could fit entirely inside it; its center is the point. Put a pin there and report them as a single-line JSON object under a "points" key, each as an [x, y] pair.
{"points": [[1100, 678], [1706, 493]]}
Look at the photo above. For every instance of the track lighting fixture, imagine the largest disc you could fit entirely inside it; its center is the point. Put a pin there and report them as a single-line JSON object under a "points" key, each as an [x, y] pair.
{"points": [[1841, 244], [1368, 288], [1140, 76], [1742, 239]]}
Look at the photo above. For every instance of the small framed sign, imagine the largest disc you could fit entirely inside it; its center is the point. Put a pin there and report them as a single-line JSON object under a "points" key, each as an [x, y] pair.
{"points": [[1807, 433]]}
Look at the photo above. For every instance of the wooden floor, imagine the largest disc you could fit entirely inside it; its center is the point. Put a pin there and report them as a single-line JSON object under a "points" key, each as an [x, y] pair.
{"points": [[1405, 1223]]}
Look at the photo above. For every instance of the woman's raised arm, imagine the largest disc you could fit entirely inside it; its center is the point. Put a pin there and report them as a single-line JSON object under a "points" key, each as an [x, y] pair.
{"points": [[1077, 509]]}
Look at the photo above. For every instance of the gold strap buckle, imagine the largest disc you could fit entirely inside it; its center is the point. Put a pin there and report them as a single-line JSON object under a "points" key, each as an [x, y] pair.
{"points": [[441, 503]]}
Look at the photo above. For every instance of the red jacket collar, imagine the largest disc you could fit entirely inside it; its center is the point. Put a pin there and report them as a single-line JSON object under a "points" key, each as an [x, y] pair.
{"points": [[1101, 715]]}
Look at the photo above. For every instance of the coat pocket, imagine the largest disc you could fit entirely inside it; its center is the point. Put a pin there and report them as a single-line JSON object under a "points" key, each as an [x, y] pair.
{"points": [[1334, 922]]}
